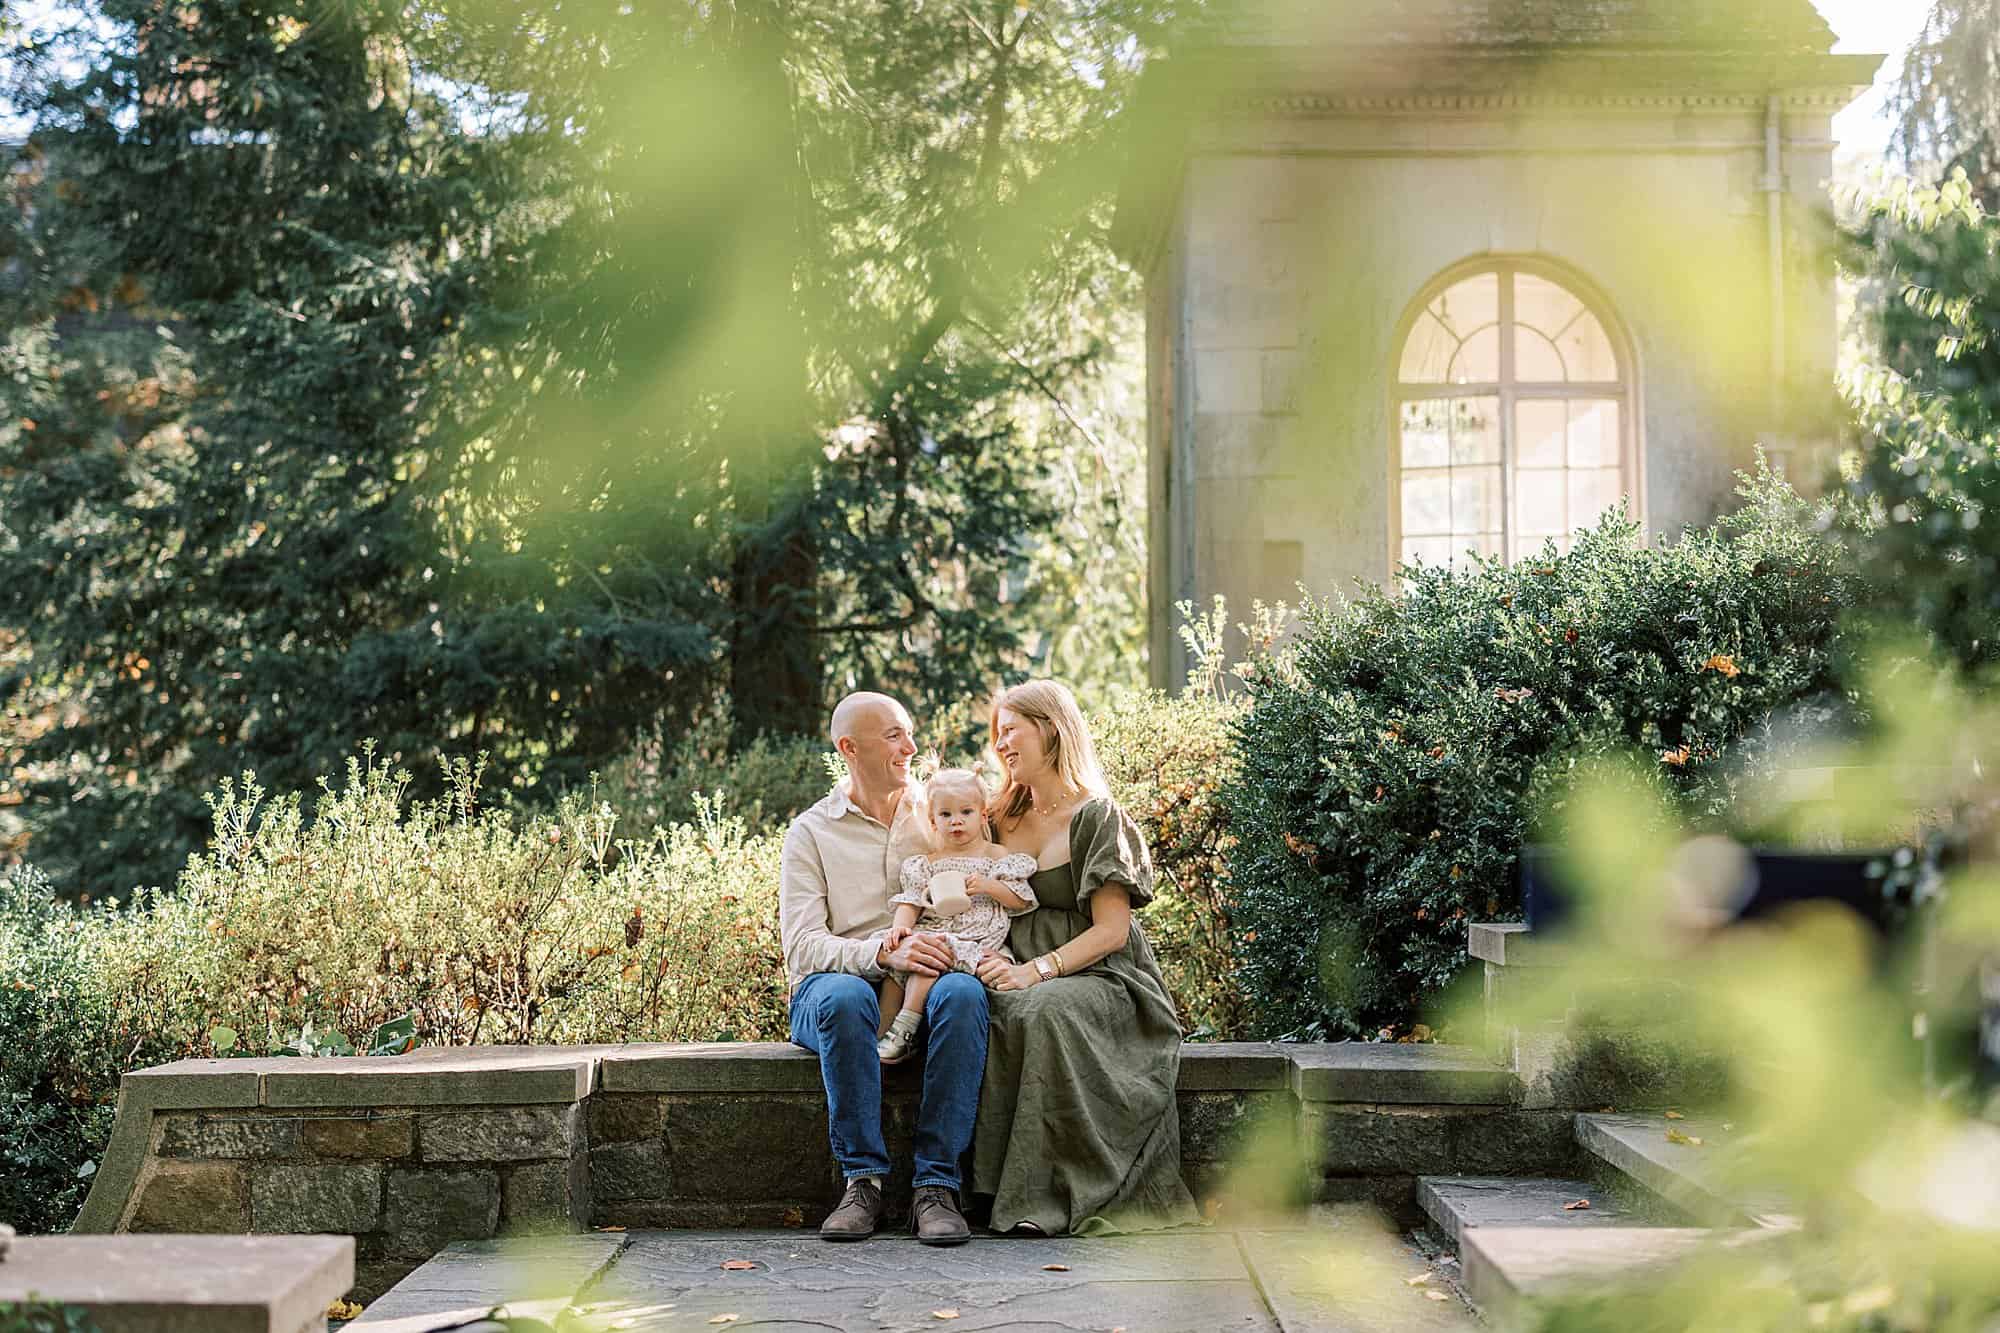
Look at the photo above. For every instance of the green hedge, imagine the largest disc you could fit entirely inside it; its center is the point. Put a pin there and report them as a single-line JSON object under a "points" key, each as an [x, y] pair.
{"points": [[1386, 766]]}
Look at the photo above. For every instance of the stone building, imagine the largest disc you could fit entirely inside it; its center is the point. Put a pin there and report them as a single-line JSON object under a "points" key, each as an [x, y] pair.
{"points": [[1428, 276]]}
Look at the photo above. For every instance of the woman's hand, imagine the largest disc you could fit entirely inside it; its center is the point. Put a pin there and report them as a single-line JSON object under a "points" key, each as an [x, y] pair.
{"points": [[999, 974]]}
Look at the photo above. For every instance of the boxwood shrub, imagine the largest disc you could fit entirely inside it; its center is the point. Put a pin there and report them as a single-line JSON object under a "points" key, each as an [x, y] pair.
{"points": [[1384, 769]]}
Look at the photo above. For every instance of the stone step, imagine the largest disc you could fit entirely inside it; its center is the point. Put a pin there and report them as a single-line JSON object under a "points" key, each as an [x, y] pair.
{"points": [[1708, 1176], [217, 1284], [533, 1276], [1503, 1264], [1541, 1242], [1456, 1204]]}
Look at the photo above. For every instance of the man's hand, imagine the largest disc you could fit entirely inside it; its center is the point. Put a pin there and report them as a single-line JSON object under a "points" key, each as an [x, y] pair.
{"points": [[925, 954]]}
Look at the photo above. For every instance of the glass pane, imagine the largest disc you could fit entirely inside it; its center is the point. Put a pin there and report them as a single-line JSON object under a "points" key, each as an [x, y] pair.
{"points": [[1475, 430], [1478, 359], [1592, 492], [1539, 495], [1469, 305], [1427, 503], [1481, 543], [1475, 500], [1543, 306], [1427, 433], [1536, 360], [1427, 550], [1427, 355], [1539, 428], [1587, 352], [1594, 439]]}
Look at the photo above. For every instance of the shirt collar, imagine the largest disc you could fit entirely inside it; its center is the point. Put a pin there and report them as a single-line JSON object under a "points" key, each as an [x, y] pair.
{"points": [[839, 804]]}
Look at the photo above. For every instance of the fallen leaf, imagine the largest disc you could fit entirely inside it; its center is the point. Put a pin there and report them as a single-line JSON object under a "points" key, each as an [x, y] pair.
{"points": [[1576, 1205], [737, 1265], [1417, 1281], [611, 1228], [1675, 1115], [1675, 1136], [944, 1314], [344, 1310], [794, 1218], [1438, 1295], [1055, 1268], [725, 1319]]}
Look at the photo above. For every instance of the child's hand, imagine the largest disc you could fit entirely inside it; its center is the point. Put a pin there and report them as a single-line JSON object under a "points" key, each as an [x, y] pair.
{"points": [[897, 934], [981, 886]]}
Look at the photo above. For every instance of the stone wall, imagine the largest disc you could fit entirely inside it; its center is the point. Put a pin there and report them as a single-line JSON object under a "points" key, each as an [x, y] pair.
{"points": [[410, 1153]]}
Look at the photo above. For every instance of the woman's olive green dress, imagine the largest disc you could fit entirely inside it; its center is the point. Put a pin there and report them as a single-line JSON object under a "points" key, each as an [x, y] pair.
{"points": [[1077, 1127]]}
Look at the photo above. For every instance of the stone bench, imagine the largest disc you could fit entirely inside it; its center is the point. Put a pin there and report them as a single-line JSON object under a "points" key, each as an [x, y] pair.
{"points": [[409, 1153], [184, 1284]]}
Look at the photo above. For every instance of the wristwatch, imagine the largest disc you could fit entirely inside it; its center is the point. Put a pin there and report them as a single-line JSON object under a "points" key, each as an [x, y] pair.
{"points": [[1046, 968]]}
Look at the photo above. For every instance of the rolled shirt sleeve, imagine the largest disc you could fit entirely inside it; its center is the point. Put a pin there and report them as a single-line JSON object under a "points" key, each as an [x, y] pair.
{"points": [[803, 918]]}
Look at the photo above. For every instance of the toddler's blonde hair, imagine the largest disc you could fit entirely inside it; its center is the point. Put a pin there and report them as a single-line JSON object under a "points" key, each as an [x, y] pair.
{"points": [[946, 778]]}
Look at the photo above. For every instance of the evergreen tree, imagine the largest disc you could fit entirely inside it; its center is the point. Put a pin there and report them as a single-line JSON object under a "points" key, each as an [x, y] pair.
{"points": [[515, 378], [1947, 106]]}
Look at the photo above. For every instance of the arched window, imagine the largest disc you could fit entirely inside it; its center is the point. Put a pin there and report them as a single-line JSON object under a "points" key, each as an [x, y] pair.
{"points": [[1514, 417]]}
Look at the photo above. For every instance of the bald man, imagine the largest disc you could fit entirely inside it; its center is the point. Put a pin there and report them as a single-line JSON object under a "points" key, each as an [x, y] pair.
{"points": [[840, 866]]}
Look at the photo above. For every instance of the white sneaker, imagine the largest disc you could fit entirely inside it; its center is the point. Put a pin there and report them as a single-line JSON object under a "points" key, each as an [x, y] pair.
{"points": [[900, 1040]]}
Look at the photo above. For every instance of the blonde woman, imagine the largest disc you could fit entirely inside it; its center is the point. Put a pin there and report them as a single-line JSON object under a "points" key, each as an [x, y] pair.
{"points": [[1077, 1130]]}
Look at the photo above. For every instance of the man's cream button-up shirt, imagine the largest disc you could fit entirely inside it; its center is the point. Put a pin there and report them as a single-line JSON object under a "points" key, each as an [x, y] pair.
{"points": [[839, 869]]}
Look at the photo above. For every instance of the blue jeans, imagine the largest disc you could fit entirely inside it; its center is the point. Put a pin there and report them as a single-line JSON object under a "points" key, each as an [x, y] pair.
{"points": [[836, 1016]]}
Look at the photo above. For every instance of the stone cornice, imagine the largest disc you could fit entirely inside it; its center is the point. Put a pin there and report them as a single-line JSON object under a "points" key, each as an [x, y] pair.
{"points": [[1338, 104]]}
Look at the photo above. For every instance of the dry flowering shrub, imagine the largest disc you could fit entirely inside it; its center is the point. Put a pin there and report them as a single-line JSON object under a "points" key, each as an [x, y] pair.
{"points": [[1166, 758], [488, 930]]}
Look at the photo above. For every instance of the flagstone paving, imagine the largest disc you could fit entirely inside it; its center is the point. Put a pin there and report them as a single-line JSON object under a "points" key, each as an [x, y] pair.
{"points": [[1343, 1270]]}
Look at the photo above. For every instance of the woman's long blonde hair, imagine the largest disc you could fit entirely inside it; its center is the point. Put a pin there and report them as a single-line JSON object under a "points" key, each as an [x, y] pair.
{"points": [[1065, 735]]}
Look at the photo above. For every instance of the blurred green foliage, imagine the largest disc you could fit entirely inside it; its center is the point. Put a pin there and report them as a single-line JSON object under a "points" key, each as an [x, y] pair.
{"points": [[532, 379], [1857, 1114]]}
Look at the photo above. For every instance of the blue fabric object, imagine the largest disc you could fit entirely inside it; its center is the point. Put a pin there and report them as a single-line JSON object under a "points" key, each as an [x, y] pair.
{"points": [[836, 1016]]}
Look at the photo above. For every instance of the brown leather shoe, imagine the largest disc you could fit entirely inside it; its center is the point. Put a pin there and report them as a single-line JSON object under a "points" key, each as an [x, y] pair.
{"points": [[935, 1217], [860, 1209]]}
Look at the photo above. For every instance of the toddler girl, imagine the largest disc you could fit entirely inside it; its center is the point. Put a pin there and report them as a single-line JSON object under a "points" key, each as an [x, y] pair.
{"points": [[966, 888]]}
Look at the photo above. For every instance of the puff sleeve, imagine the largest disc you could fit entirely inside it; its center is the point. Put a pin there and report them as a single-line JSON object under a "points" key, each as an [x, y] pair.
{"points": [[1108, 848], [1015, 868], [916, 881]]}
